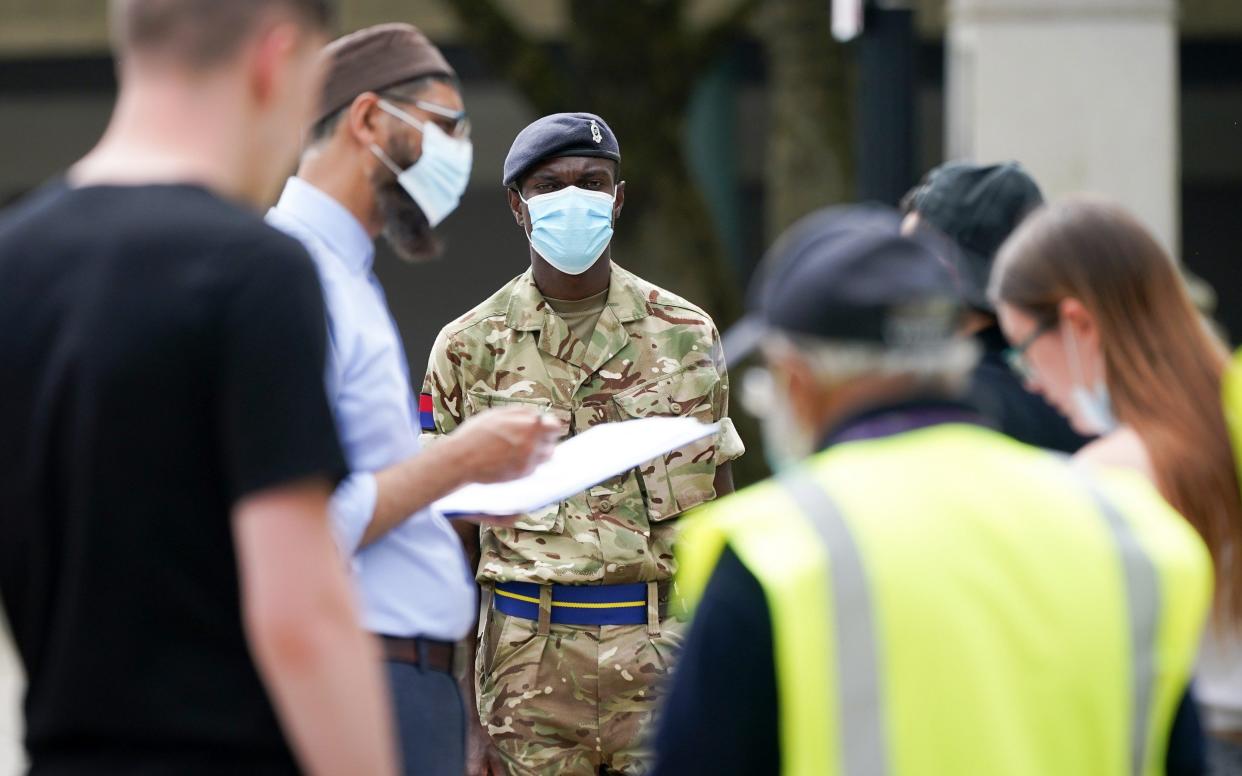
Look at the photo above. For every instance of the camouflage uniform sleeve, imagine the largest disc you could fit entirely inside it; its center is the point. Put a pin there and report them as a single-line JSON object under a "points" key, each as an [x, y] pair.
{"points": [[728, 444], [441, 403]]}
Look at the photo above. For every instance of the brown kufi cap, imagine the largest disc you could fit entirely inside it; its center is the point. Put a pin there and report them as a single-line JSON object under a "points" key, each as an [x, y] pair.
{"points": [[374, 59]]}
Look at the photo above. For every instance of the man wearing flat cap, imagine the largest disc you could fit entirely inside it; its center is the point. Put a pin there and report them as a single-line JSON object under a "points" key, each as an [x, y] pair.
{"points": [[915, 592], [389, 153], [575, 633]]}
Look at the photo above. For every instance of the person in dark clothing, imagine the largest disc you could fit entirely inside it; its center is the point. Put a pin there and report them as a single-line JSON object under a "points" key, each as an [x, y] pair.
{"points": [[977, 207], [730, 728], [863, 366], [166, 562]]}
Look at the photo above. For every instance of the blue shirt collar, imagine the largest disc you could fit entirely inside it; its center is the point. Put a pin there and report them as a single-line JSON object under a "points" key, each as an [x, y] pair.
{"points": [[330, 221]]}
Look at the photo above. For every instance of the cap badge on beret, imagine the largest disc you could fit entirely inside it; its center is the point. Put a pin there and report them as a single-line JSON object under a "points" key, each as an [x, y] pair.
{"points": [[559, 135]]}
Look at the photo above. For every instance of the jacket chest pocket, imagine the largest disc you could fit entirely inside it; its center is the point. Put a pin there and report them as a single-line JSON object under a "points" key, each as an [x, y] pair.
{"points": [[549, 519], [685, 477]]}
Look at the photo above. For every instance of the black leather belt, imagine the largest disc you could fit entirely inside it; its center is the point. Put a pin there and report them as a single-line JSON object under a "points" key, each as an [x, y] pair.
{"points": [[436, 655]]}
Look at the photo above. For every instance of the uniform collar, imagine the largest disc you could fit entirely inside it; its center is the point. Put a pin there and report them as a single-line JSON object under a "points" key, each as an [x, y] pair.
{"points": [[529, 311], [330, 221]]}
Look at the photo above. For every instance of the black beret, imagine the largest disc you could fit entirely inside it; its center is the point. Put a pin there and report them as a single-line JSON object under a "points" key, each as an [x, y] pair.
{"points": [[977, 206], [560, 134], [847, 274]]}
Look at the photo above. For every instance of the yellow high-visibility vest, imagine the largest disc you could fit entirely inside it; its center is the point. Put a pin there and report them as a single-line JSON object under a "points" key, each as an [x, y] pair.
{"points": [[1231, 387], [949, 602]]}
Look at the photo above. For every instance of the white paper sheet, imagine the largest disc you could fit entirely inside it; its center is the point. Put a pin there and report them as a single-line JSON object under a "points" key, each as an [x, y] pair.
{"points": [[579, 462]]}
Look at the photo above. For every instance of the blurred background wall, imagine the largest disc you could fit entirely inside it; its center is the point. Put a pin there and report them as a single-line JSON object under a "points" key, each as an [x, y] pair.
{"points": [[737, 116]]}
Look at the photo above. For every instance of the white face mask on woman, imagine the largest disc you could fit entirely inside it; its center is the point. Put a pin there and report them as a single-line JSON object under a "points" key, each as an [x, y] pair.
{"points": [[1093, 404]]}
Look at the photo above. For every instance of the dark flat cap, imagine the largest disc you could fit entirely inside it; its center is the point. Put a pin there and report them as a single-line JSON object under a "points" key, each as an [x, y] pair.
{"points": [[847, 274], [374, 59], [560, 134], [977, 206]]}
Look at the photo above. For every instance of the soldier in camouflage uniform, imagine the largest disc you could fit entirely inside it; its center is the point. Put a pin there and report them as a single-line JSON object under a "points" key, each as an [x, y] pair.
{"points": [[574, 637]]}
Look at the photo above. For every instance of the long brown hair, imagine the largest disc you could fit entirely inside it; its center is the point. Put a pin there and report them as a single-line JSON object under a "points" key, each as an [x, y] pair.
{"points": [[1163, 366]]}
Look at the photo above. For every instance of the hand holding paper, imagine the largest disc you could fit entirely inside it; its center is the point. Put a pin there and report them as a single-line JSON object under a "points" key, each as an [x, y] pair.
{"points": [[576, 464], [507, 442]]}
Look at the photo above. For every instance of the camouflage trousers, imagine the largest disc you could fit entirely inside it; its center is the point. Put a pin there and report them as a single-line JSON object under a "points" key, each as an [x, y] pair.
{"points": [[574, 701]]}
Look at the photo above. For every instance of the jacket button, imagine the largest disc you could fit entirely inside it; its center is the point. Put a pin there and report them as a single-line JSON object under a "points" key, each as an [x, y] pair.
{"points": [[605, 506]]}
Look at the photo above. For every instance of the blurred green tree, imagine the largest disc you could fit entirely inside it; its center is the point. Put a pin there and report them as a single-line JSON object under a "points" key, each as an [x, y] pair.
{"points": [[637, 63], [810, 146]]}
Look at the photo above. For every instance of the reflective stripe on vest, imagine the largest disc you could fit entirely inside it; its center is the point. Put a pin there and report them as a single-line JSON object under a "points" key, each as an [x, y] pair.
{"points": [[858, 682], [1143, 604], [1231, 396], [863, 745]]}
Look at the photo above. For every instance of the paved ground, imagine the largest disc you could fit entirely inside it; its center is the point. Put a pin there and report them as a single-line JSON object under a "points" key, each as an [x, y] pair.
{"points": [[10, 720]]}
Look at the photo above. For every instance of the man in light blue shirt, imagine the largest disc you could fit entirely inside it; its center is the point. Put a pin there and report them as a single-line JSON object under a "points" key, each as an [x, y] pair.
{"points": [[390, 153]]}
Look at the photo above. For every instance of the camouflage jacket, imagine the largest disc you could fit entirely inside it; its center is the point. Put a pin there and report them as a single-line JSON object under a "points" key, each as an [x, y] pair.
{"points": [[652, 353]]}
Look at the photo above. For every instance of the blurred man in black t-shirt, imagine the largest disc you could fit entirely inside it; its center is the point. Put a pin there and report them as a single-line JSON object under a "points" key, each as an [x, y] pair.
{"points": [[165, 559]]}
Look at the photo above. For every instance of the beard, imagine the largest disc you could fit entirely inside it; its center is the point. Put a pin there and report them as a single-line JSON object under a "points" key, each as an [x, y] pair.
{"points": [[406, 227]]}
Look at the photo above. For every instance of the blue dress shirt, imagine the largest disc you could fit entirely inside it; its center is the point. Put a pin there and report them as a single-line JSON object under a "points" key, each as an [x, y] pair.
{"points": [[413, 581]]}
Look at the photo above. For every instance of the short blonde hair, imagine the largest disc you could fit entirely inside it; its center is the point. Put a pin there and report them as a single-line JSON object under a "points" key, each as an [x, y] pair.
{"points": [[200, 33]]}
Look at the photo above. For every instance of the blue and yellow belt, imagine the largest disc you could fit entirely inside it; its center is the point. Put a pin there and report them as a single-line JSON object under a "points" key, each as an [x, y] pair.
{"points": [[584, 604]]}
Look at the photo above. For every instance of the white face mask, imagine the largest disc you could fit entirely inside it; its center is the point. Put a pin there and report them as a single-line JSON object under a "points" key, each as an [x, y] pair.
{"points": [[786, 442], [1093, 404], [439, 177]]}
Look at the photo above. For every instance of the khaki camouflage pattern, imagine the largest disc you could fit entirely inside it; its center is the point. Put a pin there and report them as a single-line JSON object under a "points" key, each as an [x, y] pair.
{"points": [[652, 353], [575, 699], [581, 697]]}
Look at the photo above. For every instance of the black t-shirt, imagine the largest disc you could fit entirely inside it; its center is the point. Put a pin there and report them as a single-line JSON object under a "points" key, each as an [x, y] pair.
{"points": [[161, 356]]}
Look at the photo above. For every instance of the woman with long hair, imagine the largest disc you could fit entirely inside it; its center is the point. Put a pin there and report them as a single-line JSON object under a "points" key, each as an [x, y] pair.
{"points": [[1102, 325]]}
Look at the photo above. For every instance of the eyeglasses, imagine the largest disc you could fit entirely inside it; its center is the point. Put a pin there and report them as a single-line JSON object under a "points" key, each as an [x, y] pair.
{"points": [[1016, 355], [455, 124]]}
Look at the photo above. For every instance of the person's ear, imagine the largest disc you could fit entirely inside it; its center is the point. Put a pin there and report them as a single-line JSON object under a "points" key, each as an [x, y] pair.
{"points": [[1086, 332], [910, 223], [362, 118], [618, 201], [272, 55], [516, 207], [803, 391], [793, 377], [1082, 324]]}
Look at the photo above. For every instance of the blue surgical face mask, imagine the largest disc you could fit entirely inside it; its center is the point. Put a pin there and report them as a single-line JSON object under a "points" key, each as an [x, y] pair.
{"points": [[571, 228], [439, 177], [1093, 403]]}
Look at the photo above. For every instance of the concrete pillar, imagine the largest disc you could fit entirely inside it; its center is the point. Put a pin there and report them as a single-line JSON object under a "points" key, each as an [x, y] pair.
{"points": [[1083, 92], [12, 758]]}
